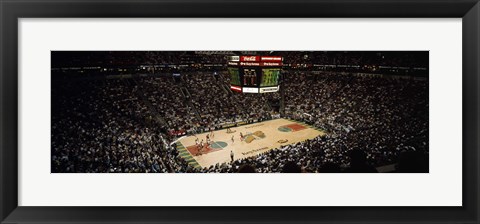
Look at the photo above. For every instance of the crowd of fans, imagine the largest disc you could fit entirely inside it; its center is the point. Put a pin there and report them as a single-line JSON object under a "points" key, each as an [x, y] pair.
{"points": [[129, 58], [126, 124], [218, 106], [168, 101], [360, 58], [99, 126]]}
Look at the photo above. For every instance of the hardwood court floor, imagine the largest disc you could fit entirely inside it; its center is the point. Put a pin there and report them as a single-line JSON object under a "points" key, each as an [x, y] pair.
{"points": [[263, 136]]}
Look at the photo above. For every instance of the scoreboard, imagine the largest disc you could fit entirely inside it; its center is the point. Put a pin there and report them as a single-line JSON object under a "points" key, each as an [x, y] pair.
{"points": [[254, 74]]}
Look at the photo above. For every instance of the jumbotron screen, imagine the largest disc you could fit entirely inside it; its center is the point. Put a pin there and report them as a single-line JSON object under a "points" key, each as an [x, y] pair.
{"points": [[254, 74]]}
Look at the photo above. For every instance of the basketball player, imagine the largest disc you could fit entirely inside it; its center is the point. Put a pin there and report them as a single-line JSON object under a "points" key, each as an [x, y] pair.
{"points": [[199, 150], [196, 141], [233, 139], [231, 155], [211, 133], [241, 136]]}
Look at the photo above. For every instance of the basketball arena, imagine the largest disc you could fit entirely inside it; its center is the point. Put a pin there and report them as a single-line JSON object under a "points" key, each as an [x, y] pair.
{"points": [[239, 111]]}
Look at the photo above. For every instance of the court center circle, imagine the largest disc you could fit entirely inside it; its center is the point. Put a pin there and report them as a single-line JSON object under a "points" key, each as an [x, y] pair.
{"points": [[285, 129], [218, 145]]}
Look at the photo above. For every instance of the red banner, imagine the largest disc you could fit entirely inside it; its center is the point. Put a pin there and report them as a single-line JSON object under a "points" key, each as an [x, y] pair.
{"points": [[271, 58], [249, 58], [236, 88]]}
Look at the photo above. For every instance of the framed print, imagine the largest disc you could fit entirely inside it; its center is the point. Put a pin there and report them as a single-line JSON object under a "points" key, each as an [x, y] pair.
{"points": [[246, 112]]}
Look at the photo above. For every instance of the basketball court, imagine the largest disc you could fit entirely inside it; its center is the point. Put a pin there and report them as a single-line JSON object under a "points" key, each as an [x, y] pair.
{"points": [[258, 138]]}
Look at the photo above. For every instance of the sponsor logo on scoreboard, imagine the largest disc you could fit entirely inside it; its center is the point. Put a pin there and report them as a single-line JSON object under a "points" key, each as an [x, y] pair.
{"points": [[271, 58], [259, 64], [249, 58], [234, 58], [250, 90], [271, 64], [250, 63], [269, 89]]}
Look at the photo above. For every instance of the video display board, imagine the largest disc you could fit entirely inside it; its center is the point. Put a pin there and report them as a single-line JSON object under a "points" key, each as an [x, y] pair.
{"points": [[253, 74], [270, 77], [234, 76]]}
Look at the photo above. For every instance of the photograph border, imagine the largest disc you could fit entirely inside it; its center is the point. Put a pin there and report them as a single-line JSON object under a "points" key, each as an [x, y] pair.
{"points": [[12, 10]]}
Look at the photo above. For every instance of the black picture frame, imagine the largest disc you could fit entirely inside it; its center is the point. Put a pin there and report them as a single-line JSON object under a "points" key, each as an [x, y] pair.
{"points": [[11, 11]]}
